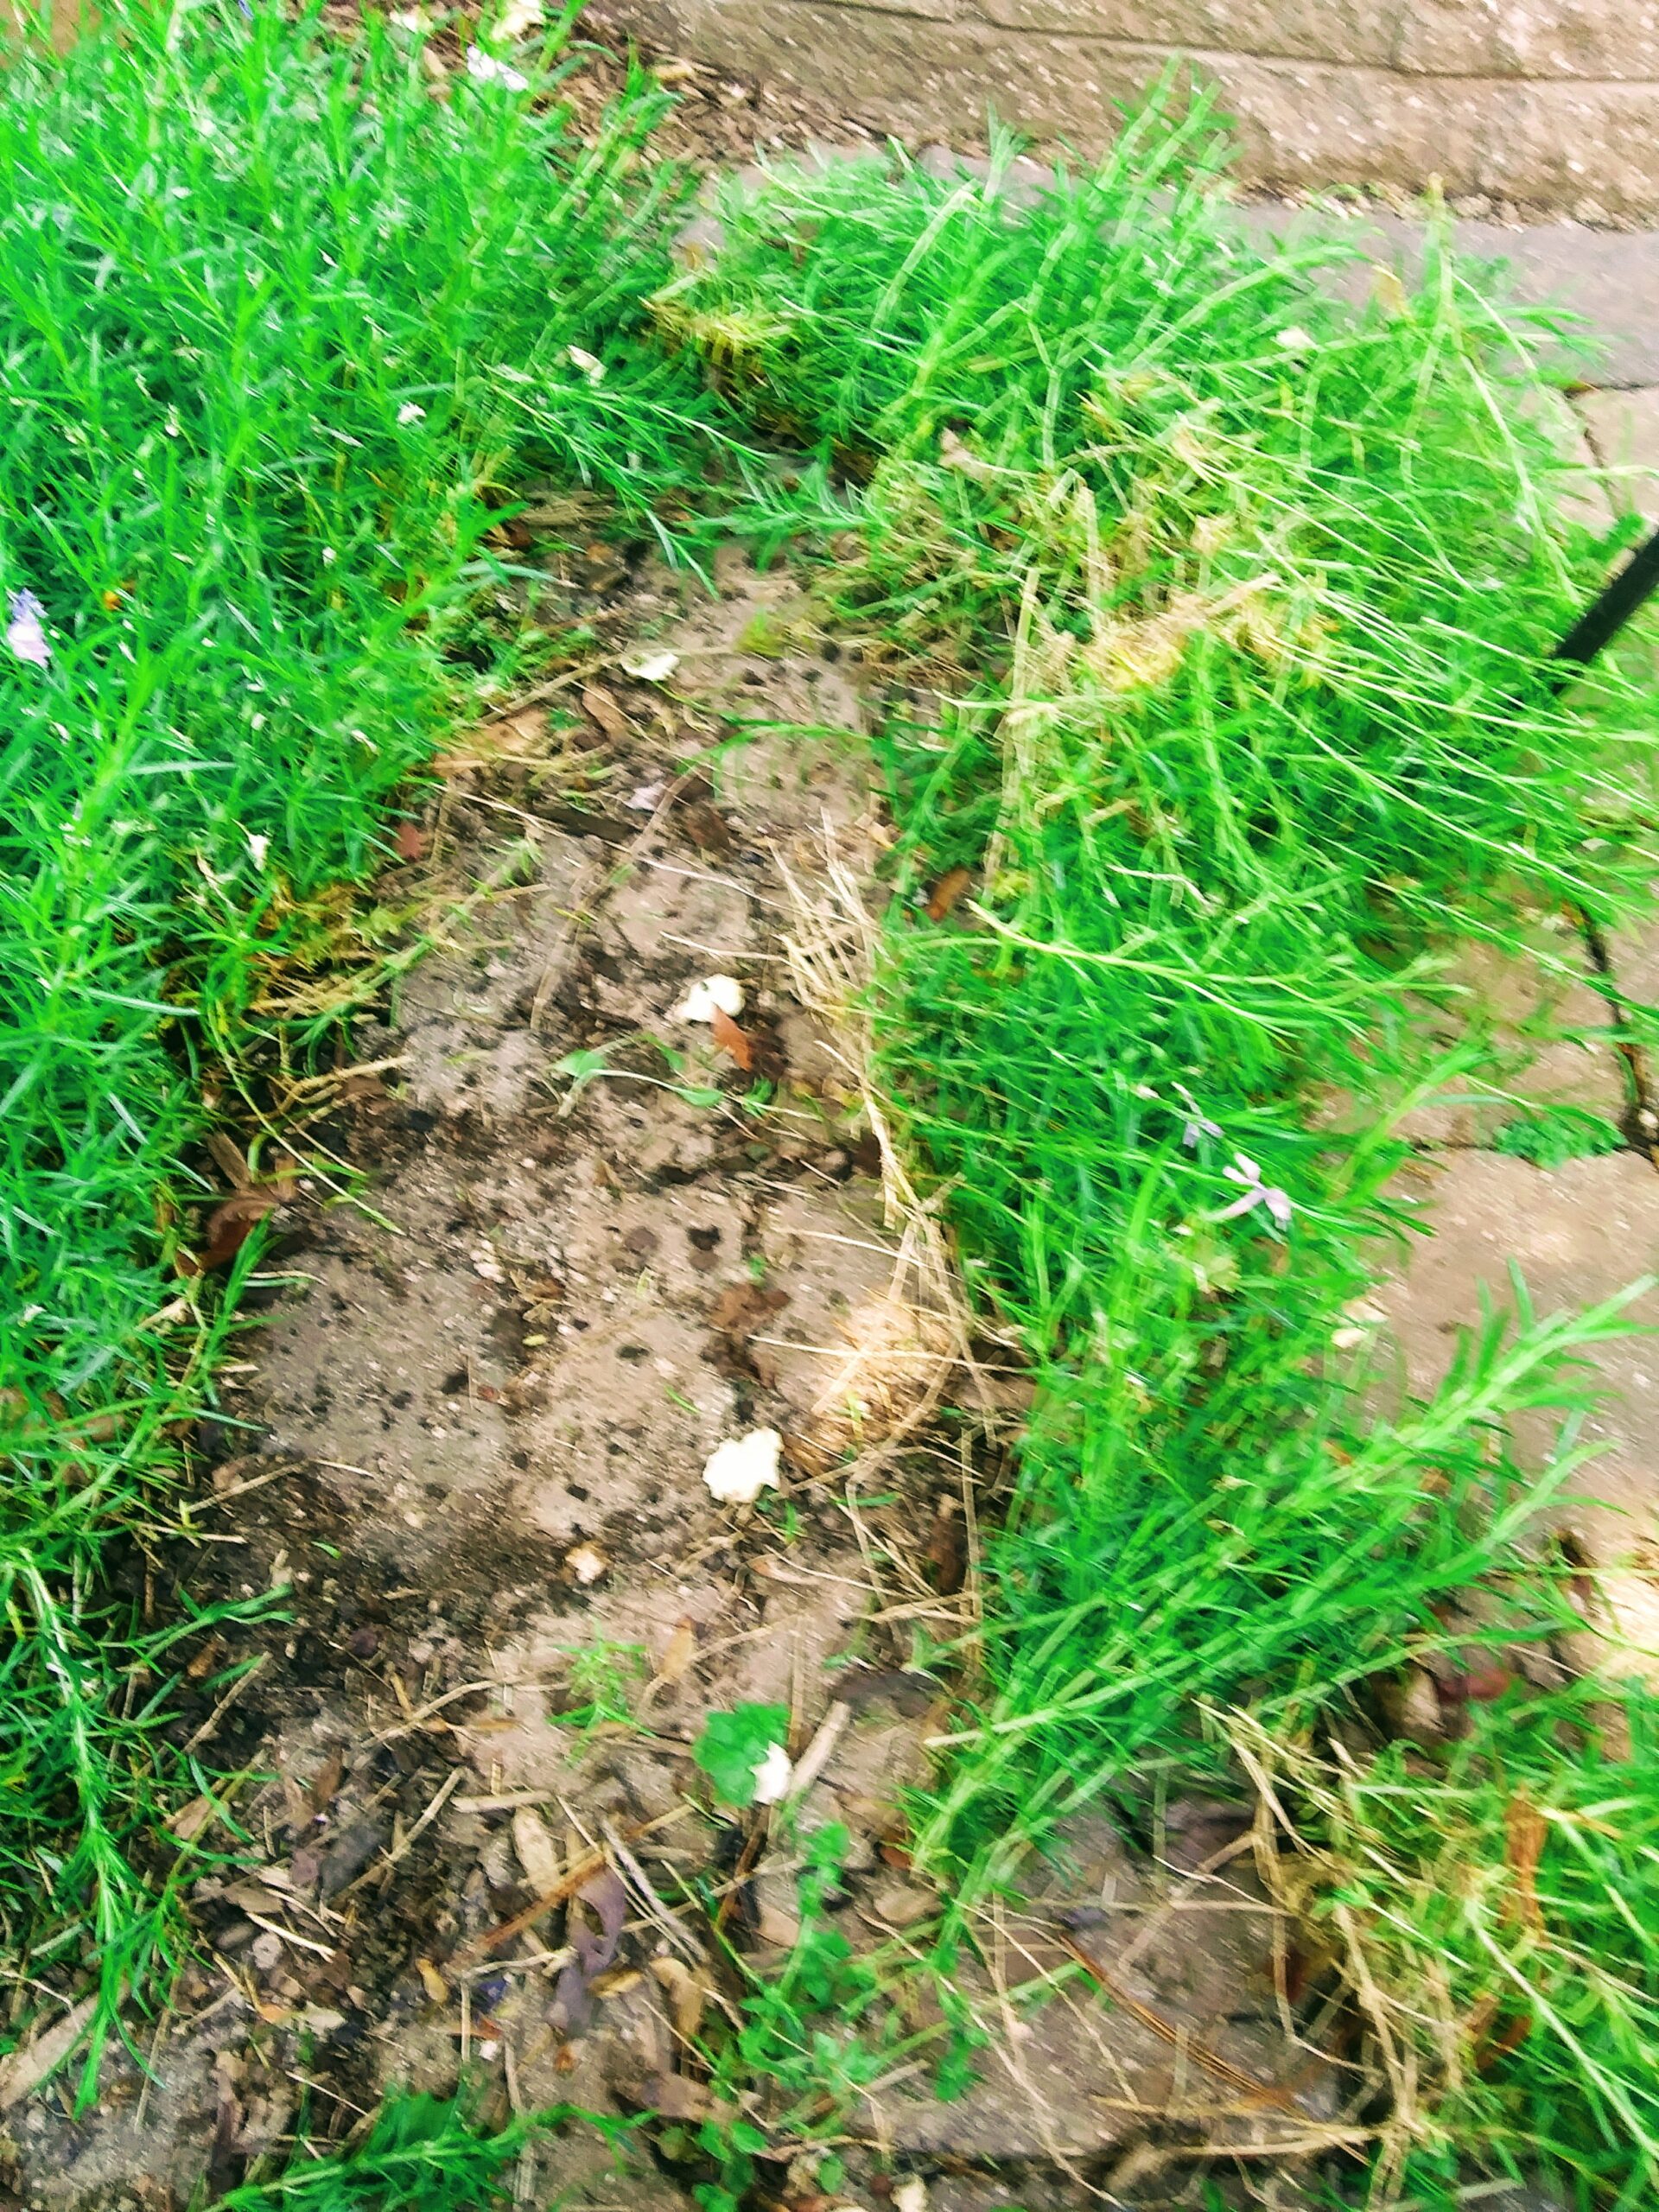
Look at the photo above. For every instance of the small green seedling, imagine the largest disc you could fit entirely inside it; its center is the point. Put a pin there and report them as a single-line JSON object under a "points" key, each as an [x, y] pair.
{"points": [[735, 1746]]}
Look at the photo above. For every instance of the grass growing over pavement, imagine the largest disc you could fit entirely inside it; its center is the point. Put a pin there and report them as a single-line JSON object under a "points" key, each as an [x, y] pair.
{"points": [[1236, 604], [277, 324]]}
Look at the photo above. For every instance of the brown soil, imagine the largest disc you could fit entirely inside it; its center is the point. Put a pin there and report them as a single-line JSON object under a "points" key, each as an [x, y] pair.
{"points": [[498, 1337]]}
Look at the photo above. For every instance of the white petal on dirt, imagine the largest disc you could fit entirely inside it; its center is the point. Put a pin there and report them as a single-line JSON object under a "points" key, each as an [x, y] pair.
{"points": [[519, 18], [911, 2195], [739, 1470], [486, 69], [772, 1775], [700, 1001], [587, 1563], [484, 1263], [649, 668], [590, 365], [644, 799]]}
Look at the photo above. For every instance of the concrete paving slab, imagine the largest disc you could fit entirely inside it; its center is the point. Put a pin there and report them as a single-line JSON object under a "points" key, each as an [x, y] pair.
{"points": [[1607, 280], [1623, 433], [1580, 1233]]}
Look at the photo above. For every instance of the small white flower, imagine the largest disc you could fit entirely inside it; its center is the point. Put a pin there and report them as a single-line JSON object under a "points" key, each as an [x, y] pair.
{"points": [[1256, 1192], [329, 556], [411, 411], [1298, 341], [739, 1470], [644, 799], [519, 18], [649, 668], [773, 1775], [259, 847], [700, 1001], [26, 631], [484, 69], [590, 365]]}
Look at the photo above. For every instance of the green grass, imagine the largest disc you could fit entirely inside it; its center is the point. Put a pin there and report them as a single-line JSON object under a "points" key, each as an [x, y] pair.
{"points": [[277, 328], [1238, 604], [419, 2154], [1235, 604]]}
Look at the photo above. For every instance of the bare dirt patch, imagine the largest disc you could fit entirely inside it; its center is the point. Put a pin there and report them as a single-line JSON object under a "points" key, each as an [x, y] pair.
{"points": [[551, 1267]]}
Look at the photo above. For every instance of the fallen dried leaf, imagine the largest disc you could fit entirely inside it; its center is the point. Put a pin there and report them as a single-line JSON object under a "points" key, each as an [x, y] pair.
{"points": [[190, 1819], [229, 1227], [946, 891], [409, 842], [730, 1039], [538, 1853], [671, 2096], [686, 1996], [599, 707], [679, 1651], [1525, 1833], [326, 1781], [24, 2069], [587, 1562], [742, 1307], [204, 1661], [432, 1981]]}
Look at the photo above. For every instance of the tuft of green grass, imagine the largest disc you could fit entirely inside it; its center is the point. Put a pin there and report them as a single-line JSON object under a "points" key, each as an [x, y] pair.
{"points": [[1551, 1135], [420, 2154], [280, 327], [1237, 604]]}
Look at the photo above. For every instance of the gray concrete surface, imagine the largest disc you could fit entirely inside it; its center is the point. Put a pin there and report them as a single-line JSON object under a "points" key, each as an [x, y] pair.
{"points": [[1551, 103]]}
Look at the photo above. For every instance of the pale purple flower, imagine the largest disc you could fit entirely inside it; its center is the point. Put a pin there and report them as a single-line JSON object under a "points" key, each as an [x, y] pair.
{"points": [[1256, 1192], [1198, 1124], [25, 633]]}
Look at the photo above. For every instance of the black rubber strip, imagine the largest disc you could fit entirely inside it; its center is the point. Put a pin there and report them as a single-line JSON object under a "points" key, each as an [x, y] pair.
{"points": [[1605, 617]]}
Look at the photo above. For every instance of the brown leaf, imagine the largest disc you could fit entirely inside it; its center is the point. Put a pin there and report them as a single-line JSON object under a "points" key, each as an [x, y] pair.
{"points": [[599, 707], [743, 1306], [190, 1819], [207, 1659], [326, 1781], [947, 891], [680, 1650], [671, 2096], [731, 1039], [686, 1996], [537, 1852], [409, 840], [708, 829], [432, 1981], [229, 1227], [23, 2069], [947, 1550], [1525, 1833]]}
